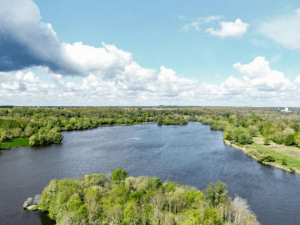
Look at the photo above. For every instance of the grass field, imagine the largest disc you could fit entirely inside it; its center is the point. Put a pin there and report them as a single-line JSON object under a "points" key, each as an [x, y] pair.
{"points": [[280, 152], [291, 151], [16, 143]]}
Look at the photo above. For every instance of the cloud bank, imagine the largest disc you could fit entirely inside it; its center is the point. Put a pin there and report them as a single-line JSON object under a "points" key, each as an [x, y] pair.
{"points": [[257, 85]]}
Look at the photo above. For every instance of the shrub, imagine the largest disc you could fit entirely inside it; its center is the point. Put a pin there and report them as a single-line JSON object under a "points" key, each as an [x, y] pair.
{"points": [[266, 158], [284, 161], [290, 139], [227, 136], [253, 130], [292, 170], [266, 140], [244, 139], [278, 137]]}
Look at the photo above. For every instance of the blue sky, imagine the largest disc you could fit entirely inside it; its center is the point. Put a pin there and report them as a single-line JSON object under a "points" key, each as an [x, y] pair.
{"points": [[148, 53]]}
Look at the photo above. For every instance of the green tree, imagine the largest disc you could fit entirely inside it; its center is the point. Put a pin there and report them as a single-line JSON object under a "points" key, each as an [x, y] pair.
{"points": [[216, 193], [119, 175]]}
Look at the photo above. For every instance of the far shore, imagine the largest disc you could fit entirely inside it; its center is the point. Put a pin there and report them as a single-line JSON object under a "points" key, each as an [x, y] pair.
{"points": [[244, 149]]}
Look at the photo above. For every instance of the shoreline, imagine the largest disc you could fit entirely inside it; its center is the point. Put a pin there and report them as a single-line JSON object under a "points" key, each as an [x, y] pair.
{"points": [[244, 149]]}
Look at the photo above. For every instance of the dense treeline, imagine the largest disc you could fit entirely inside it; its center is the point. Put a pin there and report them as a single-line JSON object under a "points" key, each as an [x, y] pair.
{"points": [[276, 129], [42, 125], [240, 129], [118, 199]]}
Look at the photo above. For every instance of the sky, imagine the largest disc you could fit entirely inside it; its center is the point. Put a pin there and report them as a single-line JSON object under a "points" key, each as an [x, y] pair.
{"points": [[148, 53]]}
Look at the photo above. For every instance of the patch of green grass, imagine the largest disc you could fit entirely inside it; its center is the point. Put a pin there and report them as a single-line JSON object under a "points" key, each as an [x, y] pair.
{"points": [[291, 162], [18, 142]]}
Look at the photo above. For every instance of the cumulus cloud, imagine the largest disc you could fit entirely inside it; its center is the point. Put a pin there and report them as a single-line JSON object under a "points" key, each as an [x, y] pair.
{"points": [[258, 84], [26, 41], [284, 30], [229, 29], [20, 82]]}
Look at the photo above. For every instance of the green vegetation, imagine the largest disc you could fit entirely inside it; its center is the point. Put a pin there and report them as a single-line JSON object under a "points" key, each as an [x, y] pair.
{"points": [[18, 142], [43, 125], [119, 199], [279, 131], [264, 154], [271, 137]]}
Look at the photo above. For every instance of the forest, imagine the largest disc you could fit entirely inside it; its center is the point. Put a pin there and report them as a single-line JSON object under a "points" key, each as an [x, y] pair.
{"points": [[119, 199], [42, 126]]}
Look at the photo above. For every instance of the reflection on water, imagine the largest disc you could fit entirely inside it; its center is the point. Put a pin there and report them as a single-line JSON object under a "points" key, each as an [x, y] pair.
{"points": [[189, 154]]}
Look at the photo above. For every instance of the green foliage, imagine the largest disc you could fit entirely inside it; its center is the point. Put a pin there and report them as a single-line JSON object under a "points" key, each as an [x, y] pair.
{"points": [[296, 127], [119, 175], [87, 201], [292, 170], [284, 161], [290, 139], [18, 142], [170, 187], [156, 183], [216, 193], [195, 217], [135, 196], [278, 137], [266, 158], [266, 140]]}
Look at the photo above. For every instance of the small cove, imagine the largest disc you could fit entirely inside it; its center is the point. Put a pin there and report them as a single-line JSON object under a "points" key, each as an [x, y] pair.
{"points": [[191, 154]]}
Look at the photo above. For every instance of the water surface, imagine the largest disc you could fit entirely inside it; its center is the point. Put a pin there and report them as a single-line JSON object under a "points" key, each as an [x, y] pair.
{"points": [[191, 154]]}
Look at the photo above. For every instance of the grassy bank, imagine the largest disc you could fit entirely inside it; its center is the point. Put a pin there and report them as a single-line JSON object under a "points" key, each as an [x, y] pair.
{"points": [[18, 142], [288, 161]]}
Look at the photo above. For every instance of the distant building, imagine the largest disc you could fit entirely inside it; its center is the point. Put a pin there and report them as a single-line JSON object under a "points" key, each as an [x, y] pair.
{"points": [[285, 110]]}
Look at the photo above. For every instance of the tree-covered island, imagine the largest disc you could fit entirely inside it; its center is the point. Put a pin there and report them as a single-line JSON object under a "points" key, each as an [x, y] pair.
{"points": [[119, 199]]}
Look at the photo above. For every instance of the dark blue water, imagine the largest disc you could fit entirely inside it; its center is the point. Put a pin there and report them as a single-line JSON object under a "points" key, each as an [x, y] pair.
{"points": [[191, 154]]}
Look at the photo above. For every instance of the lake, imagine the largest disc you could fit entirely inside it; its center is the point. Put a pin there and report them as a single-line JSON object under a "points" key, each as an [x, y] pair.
{"points": [[191, 154]]}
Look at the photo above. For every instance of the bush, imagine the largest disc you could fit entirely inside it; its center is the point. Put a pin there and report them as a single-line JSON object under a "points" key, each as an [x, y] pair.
{"points": [[267, 158], [292, 170], [227, 136], [253, 130], [266, 140], [278, 137], [284, 161], [290, 139], [244, 139]]}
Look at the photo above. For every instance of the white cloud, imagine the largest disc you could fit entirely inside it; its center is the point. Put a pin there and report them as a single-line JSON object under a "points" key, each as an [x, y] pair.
{"points": [[259, 75], [88, 58], [258, 85], [17, 82], [284, 30], [229, 29], [195, 23], [110, 76]]}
